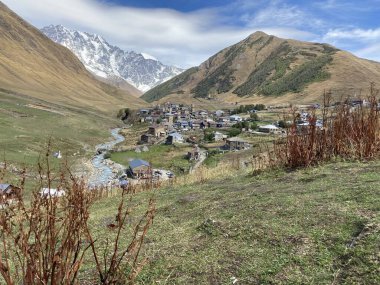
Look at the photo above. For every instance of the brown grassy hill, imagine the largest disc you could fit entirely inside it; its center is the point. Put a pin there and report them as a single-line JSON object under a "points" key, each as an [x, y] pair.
{"points": [[264, 68], [122, 84], [33, 65]]}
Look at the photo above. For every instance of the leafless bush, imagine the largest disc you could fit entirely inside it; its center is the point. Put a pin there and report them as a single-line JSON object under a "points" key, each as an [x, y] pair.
{"points": [[348, 132], [119, 263], [47, 240]]}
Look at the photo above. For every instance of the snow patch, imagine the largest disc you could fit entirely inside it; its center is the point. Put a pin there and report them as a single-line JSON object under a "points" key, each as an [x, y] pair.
{"points": [[148, 56]]}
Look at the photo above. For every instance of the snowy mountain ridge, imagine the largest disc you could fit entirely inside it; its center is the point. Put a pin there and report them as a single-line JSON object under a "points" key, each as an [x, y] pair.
{"points": [[141, 70]]}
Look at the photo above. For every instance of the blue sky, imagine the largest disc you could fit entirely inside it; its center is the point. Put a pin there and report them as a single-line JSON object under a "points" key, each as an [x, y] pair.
{"points": [[187, 32]]}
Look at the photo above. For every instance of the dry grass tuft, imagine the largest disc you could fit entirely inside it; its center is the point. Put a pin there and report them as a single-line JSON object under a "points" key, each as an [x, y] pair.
{"points": [[347, 132], [48, 239]]}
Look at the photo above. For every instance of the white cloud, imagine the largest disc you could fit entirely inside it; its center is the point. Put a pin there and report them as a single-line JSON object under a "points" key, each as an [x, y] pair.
{"points": [[362, 42], [353, 34], [347, 6], [371, 51], [278, 13], [183, 39]]}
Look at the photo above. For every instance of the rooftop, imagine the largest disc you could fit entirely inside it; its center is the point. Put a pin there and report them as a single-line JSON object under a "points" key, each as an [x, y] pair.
{"points": [[176, 135], [237, 139], [268, 127], [4, 187], [138, 162]]}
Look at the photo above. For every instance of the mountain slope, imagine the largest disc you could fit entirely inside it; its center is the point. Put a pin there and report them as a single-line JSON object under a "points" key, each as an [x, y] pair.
{"points": [[122, 84], [140, 70], [269, 69], [33, 65]]}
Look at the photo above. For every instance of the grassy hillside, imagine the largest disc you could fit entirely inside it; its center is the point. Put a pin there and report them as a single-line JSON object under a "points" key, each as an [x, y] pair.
{"points": [[312, 226], [32, 64], [274, 76], [266, 69], [120, 84], [167, 87], [221, 79], [27, 124]]}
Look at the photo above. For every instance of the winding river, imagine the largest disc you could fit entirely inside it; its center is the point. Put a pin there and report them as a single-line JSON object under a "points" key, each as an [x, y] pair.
{"points": [[104, 174]]}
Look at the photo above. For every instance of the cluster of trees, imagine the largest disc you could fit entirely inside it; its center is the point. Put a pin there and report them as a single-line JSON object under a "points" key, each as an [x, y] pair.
{"points": [[247, 108], [209, 135], [261, 74], [128, 115], [282, 65], [254, 117], [271, 78], [296, 80], [221, 79], [233, 132], [245, 125], [123, 114], [284, 124]]}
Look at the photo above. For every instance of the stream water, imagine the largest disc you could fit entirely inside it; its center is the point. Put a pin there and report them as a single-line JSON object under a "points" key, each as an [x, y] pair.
{"points": [[104, 174]]}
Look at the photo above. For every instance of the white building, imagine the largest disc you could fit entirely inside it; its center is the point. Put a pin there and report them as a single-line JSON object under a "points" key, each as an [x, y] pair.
{"points": [[270, 129], [51, 193], [235, 118], [219, 113]]}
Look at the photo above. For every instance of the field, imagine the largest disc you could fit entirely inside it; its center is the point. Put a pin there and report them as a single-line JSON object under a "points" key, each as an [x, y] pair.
{"points": [[312, 226], [26, 125], [168, 157]]}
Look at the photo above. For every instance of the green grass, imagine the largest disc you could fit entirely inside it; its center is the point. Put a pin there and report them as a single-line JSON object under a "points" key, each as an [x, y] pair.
{"points": [[263, 81], [277, 227], [25, 131], [260, 75], [169, 87], [295, 81], [168, 157], [213, 159], [221, 79]]}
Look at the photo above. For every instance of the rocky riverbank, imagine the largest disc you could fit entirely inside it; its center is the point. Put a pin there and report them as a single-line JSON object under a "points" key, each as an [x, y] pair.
{"points": [[104, 172]]}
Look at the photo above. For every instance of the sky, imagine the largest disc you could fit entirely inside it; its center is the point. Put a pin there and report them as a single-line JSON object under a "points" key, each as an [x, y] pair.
{"points": [[184, 33]]}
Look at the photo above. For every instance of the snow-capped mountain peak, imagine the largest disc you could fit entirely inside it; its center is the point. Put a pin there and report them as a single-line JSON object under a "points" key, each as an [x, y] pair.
{"points": [[105, 60], [148, 56]]}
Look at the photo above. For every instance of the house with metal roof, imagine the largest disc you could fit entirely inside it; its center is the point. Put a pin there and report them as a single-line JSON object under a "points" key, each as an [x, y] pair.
{"points": [[139, 168], [269, 129], [235, 118], [236, 143], [174, 138], [8, 192]]}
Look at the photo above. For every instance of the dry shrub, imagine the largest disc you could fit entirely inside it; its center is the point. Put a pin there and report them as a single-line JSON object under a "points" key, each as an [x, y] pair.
{"points": [[119, 263], [347, 132], [47, 240]]}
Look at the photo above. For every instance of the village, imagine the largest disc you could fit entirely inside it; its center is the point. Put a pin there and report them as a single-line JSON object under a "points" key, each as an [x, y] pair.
{"points": [[194, 136], [175, 139]]}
